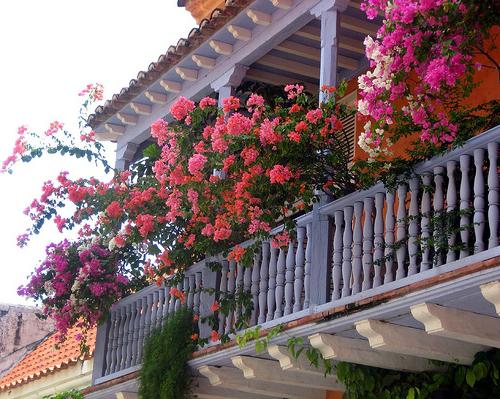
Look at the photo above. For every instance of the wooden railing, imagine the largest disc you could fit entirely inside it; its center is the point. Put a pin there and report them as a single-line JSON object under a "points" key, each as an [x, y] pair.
{"points": [[361, 244]]}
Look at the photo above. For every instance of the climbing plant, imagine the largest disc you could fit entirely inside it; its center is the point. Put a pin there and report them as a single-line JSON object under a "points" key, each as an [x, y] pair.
{"points": [[73, 394], [164, 373]]}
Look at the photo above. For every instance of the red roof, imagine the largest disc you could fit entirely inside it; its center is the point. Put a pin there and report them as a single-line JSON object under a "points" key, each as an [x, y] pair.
{"points": [[46, 359]]}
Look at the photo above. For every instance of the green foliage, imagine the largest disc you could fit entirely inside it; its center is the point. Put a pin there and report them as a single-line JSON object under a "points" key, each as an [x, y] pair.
{"points": [[254, 334], [164, 373], [73, 394]]}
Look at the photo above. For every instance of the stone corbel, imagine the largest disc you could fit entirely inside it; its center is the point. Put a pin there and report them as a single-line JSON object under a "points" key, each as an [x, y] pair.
{"points": [[125, 155]]}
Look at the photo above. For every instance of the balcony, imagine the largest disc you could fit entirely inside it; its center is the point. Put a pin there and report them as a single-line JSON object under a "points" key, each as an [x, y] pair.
{"points": [[439, 225]]}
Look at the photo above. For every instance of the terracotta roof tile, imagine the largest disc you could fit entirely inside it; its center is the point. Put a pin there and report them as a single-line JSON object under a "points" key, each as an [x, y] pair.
{"points": [[174, 54], [46, 359]]}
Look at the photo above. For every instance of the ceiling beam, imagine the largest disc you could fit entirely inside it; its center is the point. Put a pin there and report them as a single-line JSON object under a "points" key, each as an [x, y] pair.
{"points": [[127, 119], [221, 47], [283, 4], [270, 371], [411, 341], [314, 54], [187, 73], [259, 17], [171, 86], [141, 109], [358, 351], [289, 362], [228, 377], [276, 79], [155, 97], [289, 66], [345, 42], [358, 25], [240, 33], [202, 389], [458, 324], [491, 292], [204, 62]]}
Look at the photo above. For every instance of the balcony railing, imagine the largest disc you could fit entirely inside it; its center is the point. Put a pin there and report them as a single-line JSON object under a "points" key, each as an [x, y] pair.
{"points": [[446, 215]]}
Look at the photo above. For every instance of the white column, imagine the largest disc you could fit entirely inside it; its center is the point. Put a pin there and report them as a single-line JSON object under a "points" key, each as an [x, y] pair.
{"points": [[329, 11], [228, 81]]}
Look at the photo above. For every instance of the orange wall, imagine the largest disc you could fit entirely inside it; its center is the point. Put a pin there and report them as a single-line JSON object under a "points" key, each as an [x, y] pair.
{"points": [[334, 395]]}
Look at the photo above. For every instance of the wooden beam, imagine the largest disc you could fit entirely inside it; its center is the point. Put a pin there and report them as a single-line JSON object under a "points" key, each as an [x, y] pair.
{"points": [[283, 4], [155, 97], [345, 42], [141, 109], [127, 119], [491, 292], [288, 362], [221, 47], [170, 86], [458, 324], [227, 377], [106, 136], [276, 79], [411, 341], [204, 62], [240, 33], [114, 128], [259, 17], [187, 73], [202, 389], [270, 371], [127, 395], [312, 53], [289, 66], [358, 351], [358, 25]]}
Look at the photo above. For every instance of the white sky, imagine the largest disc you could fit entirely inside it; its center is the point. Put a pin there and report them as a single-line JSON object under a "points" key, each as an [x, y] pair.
{"points": [[49, 50]]}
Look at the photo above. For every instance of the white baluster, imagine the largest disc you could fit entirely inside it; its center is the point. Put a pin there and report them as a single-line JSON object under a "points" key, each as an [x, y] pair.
{"points": [[130, 335], [465, 206], [264, 278], [357, 248], [110, 343], [378, 240], [280, 283], [239, 289], [289, 276], [479, 202], [451, 206], [223, 291], [299, 270], [413, 226], [255, 288], [337, 254], [493, 202], [142, 328], [198, 279], [401, 232], [272, 283], [190, 298], [136, 336], [347, 252], [120, 353], [159, 313], [438, 233], [368, 244], [231, 292], [307, 268], [389, 238], [426, 222], [154, 310]]}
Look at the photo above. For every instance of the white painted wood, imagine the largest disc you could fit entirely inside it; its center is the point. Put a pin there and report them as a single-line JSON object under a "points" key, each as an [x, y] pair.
{"points": [[221, 47], [479, 201], [141, 109], [187, 73], [465, 199], [426, 222], [491, 292], [255, 288], [114, 129], [263, 284], [344, 42], [223, 290], [358, 351], [270, 371], [155, 97], [411, 341], [259, 17], [458, 324], [493, 194], [401, 232], [337, 255], [283, 4], [203, 62], [347, 252], [126, 395], [280, 284], [231, 378], [202, 389], [378, 240], [288, 362], [451, 206], [357, 248], [231, 284], [307, 267], [171, 86], [438, 204], [127, 119], [367, 243], [240, 33], [289, 277], [389, 238], [413, 214], [298, 283], [271, 300]]}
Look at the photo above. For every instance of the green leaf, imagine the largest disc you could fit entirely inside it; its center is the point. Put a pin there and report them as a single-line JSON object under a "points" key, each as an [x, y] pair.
{"points": [[470, 377], [411, 393]]}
